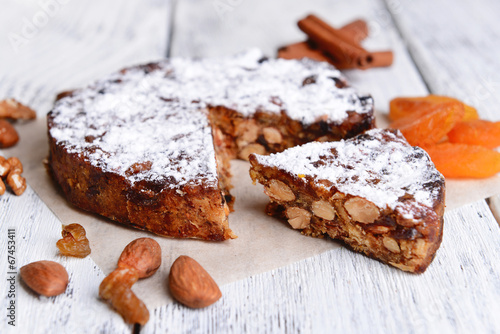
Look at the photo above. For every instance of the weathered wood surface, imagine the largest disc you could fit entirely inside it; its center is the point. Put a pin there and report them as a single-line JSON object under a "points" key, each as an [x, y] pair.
{"points": [[61, 46], [341, 291], [336, 291]]}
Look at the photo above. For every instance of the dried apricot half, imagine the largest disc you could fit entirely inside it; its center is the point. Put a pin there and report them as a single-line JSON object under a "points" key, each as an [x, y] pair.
{"points": [[476, 132], [470, 113], [429, 124], [404, 106], [464, 161]]}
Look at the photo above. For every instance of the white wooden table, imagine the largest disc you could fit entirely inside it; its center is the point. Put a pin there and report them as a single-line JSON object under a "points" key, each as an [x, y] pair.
{"points": [[443, 47]]}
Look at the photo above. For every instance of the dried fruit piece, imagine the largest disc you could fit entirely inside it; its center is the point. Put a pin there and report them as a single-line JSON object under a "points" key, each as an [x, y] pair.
{"points": [[191, 285], [13, 109], [116, 288], [430, 124], [47, 278], [74, 241], [470, 113], [140, 258], [404, 106], [464, 161], [476, 132], [8, 135]]}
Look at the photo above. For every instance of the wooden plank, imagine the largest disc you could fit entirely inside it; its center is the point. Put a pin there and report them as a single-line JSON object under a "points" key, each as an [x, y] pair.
{"points": [[456, 50], [70, 44], [340, 290]]}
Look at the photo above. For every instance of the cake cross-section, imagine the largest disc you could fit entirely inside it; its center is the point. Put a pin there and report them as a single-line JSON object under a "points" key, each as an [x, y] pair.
{"points": [[375, 192], [149, 146]]}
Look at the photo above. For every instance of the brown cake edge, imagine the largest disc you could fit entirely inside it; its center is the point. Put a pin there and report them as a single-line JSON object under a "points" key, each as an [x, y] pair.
{"points": [[189, 212]]}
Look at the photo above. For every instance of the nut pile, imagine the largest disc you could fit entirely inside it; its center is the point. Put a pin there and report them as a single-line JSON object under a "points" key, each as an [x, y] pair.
{"points": [[10, 172], [12, 110], [189, 283]]}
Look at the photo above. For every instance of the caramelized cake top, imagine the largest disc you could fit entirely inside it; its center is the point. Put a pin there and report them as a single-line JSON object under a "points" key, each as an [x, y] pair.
{"points": [[378, 165], [150, 122]]}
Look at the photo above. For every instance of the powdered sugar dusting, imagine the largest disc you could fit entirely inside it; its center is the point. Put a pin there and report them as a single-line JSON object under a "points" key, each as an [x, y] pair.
{"points": [[378, 165], [155, 115], [131, 125]]}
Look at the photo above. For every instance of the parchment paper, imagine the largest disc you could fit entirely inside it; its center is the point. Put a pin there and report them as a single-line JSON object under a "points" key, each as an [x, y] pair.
{"points": [[263, 243]]}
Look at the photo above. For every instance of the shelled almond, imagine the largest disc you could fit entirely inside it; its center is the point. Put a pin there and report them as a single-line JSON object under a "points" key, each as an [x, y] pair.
{"points": [[298, 218], [47, 278], [191, 285], [361, 210], [279, 191]]}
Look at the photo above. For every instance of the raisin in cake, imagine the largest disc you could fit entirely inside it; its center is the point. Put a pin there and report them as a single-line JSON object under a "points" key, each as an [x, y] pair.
{"points": [[150, 146], [375, 192]]}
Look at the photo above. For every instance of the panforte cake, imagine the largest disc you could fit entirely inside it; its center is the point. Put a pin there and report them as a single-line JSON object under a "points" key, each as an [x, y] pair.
{"points": [[375, 192], [150, 145]]}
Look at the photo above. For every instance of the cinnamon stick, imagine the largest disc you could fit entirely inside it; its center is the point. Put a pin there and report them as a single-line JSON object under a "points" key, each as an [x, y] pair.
{"points": [[352, 33], [337, 43], [382, 59], [357, 31], [308, 50], [301, 50]]}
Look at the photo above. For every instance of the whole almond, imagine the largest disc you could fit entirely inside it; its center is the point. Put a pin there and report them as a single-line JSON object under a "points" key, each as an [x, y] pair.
{"points": [[143, 254], [191, 285], [8, 135], [47, 278]]}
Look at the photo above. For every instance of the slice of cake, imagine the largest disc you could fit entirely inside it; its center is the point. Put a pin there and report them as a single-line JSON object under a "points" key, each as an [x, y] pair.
{"points": [[149, 146], [375, 192]]}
